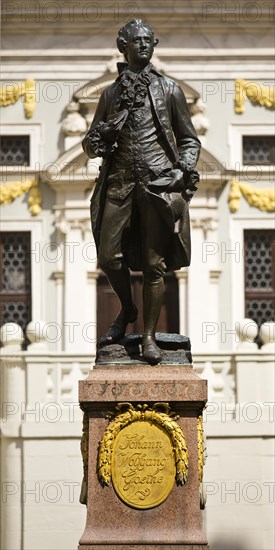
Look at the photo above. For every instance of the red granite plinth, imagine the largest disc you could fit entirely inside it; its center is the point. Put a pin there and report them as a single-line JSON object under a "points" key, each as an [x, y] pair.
{"points": [[177, 522], [145, 547]]}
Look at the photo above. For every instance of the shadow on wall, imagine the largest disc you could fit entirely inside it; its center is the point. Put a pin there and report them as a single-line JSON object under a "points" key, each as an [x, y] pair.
{"points": [[225, 544]]}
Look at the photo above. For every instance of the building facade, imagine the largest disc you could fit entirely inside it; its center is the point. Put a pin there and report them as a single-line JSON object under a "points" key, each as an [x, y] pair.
{"points": [[57, 58]]}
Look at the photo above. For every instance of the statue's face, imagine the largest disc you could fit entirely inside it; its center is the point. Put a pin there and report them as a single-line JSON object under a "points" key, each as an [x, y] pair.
{"points": [[140, 46]]}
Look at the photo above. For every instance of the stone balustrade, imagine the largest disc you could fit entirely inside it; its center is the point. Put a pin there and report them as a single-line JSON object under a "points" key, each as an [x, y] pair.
{"points": [[47, 376], [41, 426]]}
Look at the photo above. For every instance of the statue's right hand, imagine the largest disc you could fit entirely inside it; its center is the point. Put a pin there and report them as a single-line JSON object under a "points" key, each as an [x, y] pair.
{"points": [[109, 131]]}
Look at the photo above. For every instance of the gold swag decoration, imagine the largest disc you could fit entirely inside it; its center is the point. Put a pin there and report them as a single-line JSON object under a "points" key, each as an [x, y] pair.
{"points": [[11, 190], [10, 93], [255, 92], [159, 415], [264, 199]]}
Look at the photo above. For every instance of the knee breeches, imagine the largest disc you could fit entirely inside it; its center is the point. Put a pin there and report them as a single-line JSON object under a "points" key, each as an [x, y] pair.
{"points": [[154, 237]]}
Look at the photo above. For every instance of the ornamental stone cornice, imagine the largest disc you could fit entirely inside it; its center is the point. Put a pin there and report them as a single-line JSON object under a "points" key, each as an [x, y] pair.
{"points": [[103, 17], [195, 64]]}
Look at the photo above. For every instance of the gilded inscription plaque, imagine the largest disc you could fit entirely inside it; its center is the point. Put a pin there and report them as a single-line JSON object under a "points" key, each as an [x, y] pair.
{"points": [[143, 418], [143, 465]]}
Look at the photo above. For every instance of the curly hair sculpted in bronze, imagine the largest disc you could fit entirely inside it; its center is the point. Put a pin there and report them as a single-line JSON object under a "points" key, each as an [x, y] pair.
{"points": [[125, 31]]}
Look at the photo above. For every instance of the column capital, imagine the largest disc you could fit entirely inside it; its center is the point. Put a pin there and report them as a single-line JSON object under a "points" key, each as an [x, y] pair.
{"points": [[93, 275], [214, 275], [182, 274], [65, 225], [58, 276], [206, 224]]}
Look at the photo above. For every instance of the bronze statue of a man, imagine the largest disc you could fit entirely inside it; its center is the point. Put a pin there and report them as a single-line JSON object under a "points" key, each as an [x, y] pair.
{"points": [[139, 209]]}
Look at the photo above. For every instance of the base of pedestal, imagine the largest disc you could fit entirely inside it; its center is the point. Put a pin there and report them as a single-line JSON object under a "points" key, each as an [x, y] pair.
{"points": [[143, 546], [114, 523]]}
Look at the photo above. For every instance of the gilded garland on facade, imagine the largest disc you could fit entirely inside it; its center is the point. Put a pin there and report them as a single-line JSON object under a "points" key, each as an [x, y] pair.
{"points": [[264, 199], [9, 191], [158, 415], [10, 93], [255, 92]]}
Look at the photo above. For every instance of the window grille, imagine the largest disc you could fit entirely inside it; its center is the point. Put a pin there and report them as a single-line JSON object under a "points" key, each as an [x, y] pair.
{"points": [[15, 281], [258, 150], [15, 150], [259, 275]]}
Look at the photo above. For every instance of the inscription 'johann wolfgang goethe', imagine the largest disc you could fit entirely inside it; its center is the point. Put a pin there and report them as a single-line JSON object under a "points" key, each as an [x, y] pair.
{"points": [[143, 465]]}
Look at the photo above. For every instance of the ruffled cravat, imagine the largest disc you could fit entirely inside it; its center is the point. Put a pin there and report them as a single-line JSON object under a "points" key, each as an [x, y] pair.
{"points": [[134, 88]]}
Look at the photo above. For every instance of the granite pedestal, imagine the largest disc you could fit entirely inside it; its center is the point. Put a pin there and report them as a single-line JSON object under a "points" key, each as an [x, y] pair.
{"points": [[177, 522]]}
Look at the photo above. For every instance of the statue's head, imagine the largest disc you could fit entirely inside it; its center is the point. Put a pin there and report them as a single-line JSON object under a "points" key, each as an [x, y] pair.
{"points": [[136, 41]]}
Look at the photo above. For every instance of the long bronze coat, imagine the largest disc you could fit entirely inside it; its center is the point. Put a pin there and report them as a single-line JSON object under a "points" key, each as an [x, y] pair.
{"points": [[181, 144]]}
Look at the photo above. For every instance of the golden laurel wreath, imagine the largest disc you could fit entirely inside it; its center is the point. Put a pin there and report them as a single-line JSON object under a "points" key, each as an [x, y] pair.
{"points": [[201, 460], [159, 415]]}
